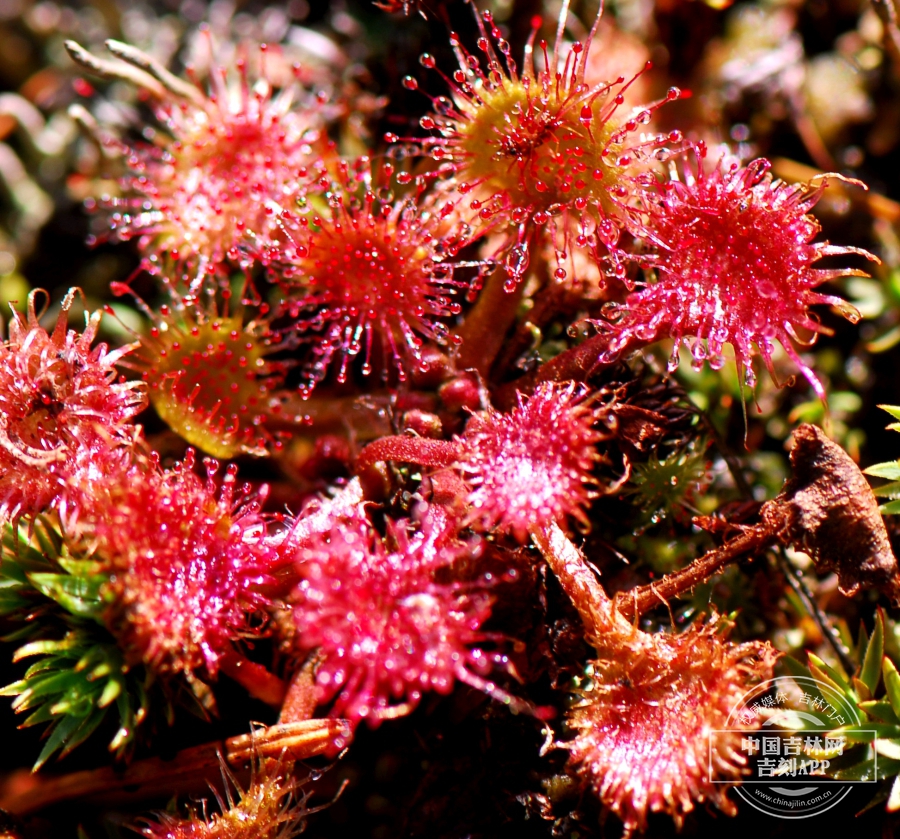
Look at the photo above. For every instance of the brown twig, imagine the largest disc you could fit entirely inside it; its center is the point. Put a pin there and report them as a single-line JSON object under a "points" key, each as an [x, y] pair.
{"points": [[190, 771], [793, 576], [634, 603]]}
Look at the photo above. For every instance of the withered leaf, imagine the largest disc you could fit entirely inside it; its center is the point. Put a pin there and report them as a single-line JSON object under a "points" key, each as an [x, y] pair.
{"points": [[639, 427], [828, 510]]}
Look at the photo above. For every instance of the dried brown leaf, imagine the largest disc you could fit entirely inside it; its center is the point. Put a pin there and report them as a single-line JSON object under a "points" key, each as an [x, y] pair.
{"points": [[828, 509]]}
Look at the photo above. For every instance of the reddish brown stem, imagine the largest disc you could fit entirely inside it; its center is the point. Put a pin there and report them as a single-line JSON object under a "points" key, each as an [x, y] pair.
{"points": [[634, 603], [576, 364], [191, 770], [254, 678], [486, 325], [575, 576], [407, 449], [302, 696]]}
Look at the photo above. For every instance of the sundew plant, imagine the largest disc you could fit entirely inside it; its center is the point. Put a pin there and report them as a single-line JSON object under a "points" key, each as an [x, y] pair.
{"points": [[454, 419]]}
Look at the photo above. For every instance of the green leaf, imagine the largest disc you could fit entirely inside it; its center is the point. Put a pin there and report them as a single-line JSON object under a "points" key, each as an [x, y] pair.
{"points": [[101, 671], [78, 595], [891, 508], [893, 410], [78, 700], [801, 671], [889, 490], [889, 470], [46, 647], [862, 641], [85, 568], [72, 686], [53, 682], [866, 732], [40, 716], [889, 748], [880, 710], [110, 693], [25, 631], [891, 684], [865, 770], [12, 575], [870, 672], [72, 682], [85, 730], [893, 802], [49, 662], [49, 540], [125, 732], [795, 668], [830, 675], [61, 732], [14, 689]]}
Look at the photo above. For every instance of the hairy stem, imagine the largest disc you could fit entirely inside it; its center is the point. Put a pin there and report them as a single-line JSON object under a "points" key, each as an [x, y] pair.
{"points": [[634, 603], [571, 569], [579, 581], [405, 449], [302, 695], [191, 770]]}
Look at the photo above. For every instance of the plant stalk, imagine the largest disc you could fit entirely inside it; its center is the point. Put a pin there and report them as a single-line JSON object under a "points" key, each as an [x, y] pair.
{"points": [[191, 770]]}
